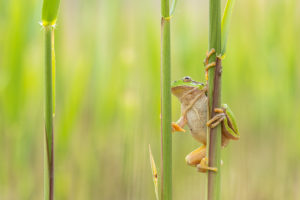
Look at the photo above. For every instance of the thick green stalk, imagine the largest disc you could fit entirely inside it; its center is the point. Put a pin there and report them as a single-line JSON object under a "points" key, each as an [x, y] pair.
{"points": [[166, 135], [214, 97], [49, 152]]}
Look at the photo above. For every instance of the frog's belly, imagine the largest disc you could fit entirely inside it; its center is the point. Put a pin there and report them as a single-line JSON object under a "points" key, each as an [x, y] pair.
{"points": [[199, 131], [196, 121]]}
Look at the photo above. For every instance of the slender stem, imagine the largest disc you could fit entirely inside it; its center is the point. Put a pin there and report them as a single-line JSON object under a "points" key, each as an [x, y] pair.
{"points": [[166, 135], [53, 72], [49, 153], [214, 100]]}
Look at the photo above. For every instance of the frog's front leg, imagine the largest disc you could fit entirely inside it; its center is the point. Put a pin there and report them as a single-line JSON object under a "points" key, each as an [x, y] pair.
{"points": [[178, 126], [207, 64], [198, 158]]}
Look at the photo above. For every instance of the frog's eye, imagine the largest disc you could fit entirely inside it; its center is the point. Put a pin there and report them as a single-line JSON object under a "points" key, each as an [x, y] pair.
{"points": [[187, 79]]}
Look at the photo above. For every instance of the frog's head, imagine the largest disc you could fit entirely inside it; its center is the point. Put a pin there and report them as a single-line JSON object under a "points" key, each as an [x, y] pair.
{"points": [[181, 86]]}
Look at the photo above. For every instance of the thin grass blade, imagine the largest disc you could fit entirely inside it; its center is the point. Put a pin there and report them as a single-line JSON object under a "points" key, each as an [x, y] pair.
{"points": [[173, 7], [226, 25], [49, 12]]}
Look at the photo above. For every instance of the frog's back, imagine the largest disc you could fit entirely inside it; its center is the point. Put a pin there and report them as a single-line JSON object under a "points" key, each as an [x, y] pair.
{"points": [[196, 119]]}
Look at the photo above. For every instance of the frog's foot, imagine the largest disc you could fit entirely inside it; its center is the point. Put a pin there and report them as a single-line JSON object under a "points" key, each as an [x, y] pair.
{"points": [[217, 119], [198, 158], [195, 157], [176, 127], [203, 166], [206, 62]]}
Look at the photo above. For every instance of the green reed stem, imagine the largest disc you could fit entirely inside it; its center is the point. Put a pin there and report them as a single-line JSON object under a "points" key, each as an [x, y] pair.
{"points": [[49, 16], [214, 97], [166, 135], [49, 152]]}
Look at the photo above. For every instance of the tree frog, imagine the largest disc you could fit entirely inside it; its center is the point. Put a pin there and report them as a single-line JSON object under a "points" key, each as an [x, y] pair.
{"points": [[194, 111]]}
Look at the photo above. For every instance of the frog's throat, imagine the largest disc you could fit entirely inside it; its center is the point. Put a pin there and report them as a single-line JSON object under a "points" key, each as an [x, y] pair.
{"points": [[187, 93], [193, 101], [198, 92]]}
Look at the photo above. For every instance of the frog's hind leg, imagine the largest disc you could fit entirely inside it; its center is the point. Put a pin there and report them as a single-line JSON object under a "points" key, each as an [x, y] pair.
{"points": [[195, 157], [198, 158]]}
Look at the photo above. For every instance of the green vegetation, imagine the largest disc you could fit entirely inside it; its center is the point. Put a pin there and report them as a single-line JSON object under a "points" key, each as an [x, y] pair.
{"points": [[166, 114], [49, 132], [49, 15], [226, 25], [49, 12], [108, 99], [214, 101]]}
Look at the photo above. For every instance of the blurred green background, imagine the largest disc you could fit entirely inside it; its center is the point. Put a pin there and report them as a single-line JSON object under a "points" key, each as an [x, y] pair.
{"points": [[108, 99]]}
